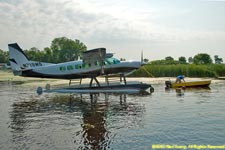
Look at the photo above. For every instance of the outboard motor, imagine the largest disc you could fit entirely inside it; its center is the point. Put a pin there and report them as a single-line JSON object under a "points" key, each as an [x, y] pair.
{"points": [[168, 84]]}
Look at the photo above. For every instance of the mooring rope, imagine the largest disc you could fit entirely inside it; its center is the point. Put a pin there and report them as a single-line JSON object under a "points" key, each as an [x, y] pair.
{"points": [[150, 75]]}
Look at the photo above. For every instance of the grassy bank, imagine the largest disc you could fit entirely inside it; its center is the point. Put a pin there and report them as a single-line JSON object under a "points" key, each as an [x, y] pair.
{"points": [[190, 70]]}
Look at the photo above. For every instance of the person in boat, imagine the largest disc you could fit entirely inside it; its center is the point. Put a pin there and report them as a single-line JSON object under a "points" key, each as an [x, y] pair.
{"points": [[180, 78]]}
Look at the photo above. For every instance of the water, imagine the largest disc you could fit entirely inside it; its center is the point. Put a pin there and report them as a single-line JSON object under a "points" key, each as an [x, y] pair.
{"points": [[109, 121]]}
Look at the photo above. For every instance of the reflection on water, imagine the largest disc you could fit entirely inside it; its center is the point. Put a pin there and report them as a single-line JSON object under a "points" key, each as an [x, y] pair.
{"points": [[180, 92], [109, 121], [92, 112]]}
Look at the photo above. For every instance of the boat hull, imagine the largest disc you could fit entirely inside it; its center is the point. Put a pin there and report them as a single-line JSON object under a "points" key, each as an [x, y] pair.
{"points": [[192, 84]]}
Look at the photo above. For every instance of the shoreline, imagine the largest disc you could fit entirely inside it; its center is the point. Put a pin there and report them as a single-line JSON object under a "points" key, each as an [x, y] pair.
{"points": [[7, 76]]}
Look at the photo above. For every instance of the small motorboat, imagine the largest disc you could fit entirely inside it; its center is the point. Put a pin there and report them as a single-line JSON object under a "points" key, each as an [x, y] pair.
{"points": [[191, 84]]}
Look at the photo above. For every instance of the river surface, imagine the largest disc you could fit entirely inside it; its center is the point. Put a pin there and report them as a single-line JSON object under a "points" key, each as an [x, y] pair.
{"points": [[110, 121]]}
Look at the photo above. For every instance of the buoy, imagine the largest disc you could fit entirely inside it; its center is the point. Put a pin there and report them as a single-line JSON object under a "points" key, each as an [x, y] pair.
{"points": [[39, 90]]}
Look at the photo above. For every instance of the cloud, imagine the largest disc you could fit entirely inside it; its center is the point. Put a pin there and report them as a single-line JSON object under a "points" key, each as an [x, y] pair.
{"points": [[39, 21], [112, 24]]}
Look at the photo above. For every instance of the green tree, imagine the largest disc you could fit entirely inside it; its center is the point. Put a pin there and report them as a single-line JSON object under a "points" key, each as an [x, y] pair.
{"points": [[169, 58], [146, 60], [34, 54], [47, 55], [182, 60], [202, 58], [164, 62], [64, 49], [4, 56], [217, 59], [190, 60]]}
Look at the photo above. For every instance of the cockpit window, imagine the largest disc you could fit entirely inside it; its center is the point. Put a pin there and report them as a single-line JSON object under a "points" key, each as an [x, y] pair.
{"points": [[111, 61]]}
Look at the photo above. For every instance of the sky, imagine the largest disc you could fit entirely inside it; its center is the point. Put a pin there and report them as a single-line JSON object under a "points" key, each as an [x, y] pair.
{"points": [[159, 28]]}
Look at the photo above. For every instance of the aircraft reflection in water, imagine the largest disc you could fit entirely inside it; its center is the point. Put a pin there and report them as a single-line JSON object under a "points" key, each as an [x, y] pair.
{"points": [[94, 129]]}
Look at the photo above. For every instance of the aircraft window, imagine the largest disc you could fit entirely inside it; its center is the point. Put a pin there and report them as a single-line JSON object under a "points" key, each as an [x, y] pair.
{"points": [[69, 67], [77, 66], [97, 63], [85, 65], [116, 61], [62, 68], [112, 60], [106, 63]]}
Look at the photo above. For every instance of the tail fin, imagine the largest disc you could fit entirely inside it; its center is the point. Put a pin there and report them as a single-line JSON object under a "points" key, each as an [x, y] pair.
{"points": [[17, 58]]}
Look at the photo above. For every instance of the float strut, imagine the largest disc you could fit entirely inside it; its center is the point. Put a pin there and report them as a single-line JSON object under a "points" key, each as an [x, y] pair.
{"points": [[94, 78]]}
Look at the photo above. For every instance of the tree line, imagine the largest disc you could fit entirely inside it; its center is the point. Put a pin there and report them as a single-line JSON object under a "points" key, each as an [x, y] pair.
{"points": [[201, 65], [63, 49], [4, 56], [199, 59]]}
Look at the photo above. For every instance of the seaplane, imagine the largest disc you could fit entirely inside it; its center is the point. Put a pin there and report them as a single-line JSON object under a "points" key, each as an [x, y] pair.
{"points": [[94, 63]]}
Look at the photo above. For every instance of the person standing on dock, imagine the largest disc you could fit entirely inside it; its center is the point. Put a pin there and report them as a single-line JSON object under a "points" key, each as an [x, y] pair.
{"points": [[179, 78]]}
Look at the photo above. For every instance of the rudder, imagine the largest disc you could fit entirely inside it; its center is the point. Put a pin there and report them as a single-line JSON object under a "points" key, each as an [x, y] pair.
{"points": [[17, 58]]}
